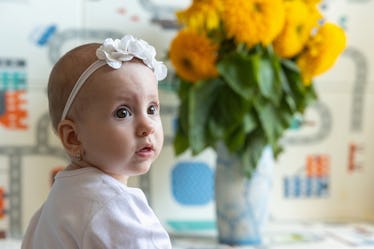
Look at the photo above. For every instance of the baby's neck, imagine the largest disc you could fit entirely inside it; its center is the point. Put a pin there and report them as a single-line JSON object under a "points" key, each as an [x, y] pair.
{"points": [[75, 166]]}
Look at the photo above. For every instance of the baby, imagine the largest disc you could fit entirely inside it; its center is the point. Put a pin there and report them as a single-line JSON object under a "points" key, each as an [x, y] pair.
{"points": [[104, 106]]}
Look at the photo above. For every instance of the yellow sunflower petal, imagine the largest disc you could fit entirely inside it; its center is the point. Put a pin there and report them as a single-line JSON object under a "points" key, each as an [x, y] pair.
{"points": [[321, 51], [253, 21], [193, 56], [312, 2], [299, 22], [201, 16]]}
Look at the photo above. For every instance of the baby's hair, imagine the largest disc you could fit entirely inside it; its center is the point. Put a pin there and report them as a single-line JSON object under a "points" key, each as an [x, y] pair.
{"points": [[63, 76]]}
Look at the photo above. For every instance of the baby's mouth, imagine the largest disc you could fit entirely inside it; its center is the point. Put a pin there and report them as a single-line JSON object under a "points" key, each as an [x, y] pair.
{"points": [[145, 151]]}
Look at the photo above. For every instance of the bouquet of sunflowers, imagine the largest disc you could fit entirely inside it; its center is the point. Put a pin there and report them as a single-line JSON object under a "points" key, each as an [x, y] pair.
{"points": [[245, 68]]}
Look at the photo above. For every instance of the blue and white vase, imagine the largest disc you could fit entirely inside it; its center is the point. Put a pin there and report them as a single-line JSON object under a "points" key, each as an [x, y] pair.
{"points": [[242, 208]]}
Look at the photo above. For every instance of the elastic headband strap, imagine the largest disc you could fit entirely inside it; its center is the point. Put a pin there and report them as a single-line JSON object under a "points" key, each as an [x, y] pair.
{"points": [[78, 85]]}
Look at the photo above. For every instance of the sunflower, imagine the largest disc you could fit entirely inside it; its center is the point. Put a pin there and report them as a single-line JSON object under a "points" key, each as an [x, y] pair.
{"points": [[253, 21], [193, 56], [299, 22], [312, 2], [202, 15], [321, 51]]}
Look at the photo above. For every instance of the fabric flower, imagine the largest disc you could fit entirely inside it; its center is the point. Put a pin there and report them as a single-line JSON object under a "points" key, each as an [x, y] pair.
{"points": [[114, 52], [321, 51], [253, 21], [193, 56]]}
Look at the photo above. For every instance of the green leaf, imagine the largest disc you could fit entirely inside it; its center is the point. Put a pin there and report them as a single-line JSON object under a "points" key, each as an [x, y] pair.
{"points": [[270, 121], [183, 93], [235, 140], [249, 122], [290, 65], [227, 114], [288, 95], [269, 82], [254, 146], [266, 79], [201, 99], [294, 86], [310, 95], [180, 142], [240, 72]]}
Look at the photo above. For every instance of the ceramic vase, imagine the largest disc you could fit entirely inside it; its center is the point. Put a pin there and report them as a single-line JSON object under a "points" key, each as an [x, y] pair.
{"points": [[242, 204]]}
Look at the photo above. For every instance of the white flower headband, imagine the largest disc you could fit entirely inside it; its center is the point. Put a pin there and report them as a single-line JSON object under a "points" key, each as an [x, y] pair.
{"points": [[113, 53]]}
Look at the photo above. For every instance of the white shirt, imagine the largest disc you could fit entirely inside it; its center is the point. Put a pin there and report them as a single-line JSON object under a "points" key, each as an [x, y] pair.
{"points": [[87, 209]]}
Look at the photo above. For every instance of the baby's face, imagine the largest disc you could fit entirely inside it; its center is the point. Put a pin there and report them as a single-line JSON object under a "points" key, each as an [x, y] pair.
{"points": [[119, 122]]}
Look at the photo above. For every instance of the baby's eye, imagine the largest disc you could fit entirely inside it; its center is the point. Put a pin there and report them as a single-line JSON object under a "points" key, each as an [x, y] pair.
{"points": [[122, 112], [153, 109]]}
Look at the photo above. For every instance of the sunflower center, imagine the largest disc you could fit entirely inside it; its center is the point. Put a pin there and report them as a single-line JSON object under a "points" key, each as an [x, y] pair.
{"points": [[299, 28], [257, 7], [187, 64]]}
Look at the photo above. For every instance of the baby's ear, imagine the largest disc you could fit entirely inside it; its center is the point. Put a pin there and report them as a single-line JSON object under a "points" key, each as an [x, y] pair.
{"points": [[67, 132]]}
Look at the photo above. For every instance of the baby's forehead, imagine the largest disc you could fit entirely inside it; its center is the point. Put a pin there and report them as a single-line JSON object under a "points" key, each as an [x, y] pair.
{"points": [[129, 72], [133, 81]]}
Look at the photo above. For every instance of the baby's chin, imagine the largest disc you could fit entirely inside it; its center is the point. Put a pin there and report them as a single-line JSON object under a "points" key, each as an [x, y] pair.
{"points": [[135, 169]]}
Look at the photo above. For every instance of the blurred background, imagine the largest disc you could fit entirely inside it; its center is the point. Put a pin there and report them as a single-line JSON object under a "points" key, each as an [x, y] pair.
{"points": [[325, 174]]}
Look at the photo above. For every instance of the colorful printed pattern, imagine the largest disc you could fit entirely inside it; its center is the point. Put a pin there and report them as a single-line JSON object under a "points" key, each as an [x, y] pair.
{"points": [[315, 183], [12, 91]]}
